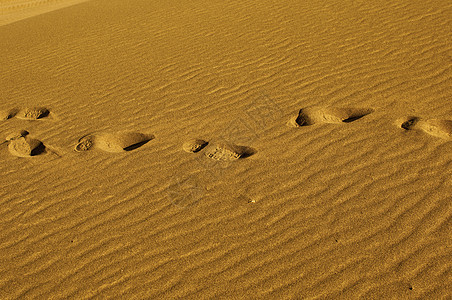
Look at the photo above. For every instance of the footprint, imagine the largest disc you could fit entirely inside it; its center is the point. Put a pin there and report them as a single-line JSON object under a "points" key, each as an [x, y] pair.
{"points": [[33, 113], [194, 145], [22, 145], [313, 115], [409, 123], [7, 114], [113, 142], [435, 127], [218, 151], [228, 151]]}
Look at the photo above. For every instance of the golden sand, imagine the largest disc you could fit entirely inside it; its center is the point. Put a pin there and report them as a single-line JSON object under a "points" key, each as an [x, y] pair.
{"points": [[195, 187]]}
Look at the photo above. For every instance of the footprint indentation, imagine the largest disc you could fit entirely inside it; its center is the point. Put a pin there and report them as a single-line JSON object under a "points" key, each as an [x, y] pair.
{"points": [[313, 115], [225, 151], [194, 145], [33, 113], [410, 123], [6, 114], [435, 127], [218, 151], [22, 145], [113, 142]]}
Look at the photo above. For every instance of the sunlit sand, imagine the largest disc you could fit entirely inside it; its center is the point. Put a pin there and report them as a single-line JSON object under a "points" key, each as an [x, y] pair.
{"points": [[225, 149]]}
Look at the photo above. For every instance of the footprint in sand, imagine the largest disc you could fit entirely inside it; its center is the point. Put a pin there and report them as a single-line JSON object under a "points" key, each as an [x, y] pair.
{"points": [[30, 113], [313, 115], [113, 142], [7, 114], [33, 113], [435, 127], [194, 145], [218, 151], [22, 145]]}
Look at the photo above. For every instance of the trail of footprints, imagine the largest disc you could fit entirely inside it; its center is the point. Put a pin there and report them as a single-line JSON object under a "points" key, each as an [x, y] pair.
{"points": [[22, 144], [29, 113], [315, 115]]}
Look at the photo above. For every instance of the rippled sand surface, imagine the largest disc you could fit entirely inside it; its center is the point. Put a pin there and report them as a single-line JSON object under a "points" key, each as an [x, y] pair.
{"points": [[225, 149]]}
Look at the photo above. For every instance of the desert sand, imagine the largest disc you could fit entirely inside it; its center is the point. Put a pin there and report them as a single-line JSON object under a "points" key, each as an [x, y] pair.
{"points": [[225, 149]]}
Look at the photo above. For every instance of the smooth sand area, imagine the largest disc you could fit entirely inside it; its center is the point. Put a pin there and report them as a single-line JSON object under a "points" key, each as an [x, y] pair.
{"points": [[226, 149], [16, 10]]}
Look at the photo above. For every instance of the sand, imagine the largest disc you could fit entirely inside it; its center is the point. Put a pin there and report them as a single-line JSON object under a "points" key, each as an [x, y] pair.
{"points": [[15, 10], [225, 149]]}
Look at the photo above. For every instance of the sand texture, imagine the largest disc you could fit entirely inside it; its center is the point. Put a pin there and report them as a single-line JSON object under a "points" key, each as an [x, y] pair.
{"points": [[15, 10], [225, 149]]}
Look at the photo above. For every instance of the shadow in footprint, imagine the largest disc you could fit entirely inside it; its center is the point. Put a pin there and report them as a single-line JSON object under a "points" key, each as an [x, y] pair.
{"points": [[409, 123], [352, 119], [137, 145], [40, 149], [247, 152], [314, 115]]}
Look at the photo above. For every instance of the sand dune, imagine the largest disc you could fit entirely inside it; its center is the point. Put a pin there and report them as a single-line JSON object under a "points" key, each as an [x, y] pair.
{"points": [[144, 152]]}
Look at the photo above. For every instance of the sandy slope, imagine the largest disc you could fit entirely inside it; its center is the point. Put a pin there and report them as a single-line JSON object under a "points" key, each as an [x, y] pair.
{"points": [[15, 10], [342, 108]]}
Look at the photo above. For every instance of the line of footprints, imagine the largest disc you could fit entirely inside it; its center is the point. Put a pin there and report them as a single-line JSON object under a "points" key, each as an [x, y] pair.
{"points": [[21, 144]]}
